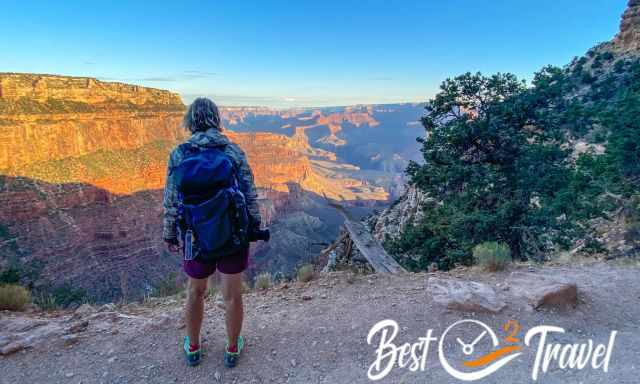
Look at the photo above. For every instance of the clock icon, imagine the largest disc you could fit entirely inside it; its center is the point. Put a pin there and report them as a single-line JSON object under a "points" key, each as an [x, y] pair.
{"points": [[483, 365]]}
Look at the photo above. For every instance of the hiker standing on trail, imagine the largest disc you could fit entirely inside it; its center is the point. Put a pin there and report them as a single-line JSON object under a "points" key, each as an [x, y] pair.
{"points": [[210, 215]]}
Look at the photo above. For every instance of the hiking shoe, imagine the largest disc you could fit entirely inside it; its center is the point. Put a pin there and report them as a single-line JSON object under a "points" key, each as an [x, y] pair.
{"points": [[231, 358], [193, 357]]}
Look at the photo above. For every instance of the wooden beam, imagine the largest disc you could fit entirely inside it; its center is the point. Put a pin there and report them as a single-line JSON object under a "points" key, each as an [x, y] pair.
{"points": [[367, 244]]}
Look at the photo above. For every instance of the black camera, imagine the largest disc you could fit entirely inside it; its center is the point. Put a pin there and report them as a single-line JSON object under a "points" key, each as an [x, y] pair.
{"points": [[259, 234]]}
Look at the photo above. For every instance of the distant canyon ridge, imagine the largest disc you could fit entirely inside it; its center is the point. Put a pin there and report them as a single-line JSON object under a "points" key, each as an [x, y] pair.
{"points": [[83, 163]]}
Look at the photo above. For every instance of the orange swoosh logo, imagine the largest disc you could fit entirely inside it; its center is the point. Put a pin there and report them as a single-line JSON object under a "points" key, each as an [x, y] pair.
{"points": [[490, 357]]}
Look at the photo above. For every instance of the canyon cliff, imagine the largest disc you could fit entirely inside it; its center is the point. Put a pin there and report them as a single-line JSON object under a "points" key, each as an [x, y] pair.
{"points": [[628, 39], [24, 93]]}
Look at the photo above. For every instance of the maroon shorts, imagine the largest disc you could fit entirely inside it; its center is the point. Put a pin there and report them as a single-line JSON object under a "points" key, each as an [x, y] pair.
{"points": [[230, 265]]}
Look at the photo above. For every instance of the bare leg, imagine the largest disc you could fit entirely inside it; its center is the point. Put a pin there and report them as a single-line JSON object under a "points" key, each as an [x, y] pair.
{"points": [[232, 293], [194, 310]]}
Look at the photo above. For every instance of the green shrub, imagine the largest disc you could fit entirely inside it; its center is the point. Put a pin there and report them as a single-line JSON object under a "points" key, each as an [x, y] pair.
{"points": [[492, 256], [13, 297], [61, 296], [10, 275], [607, 56], [588, 78], [263, 281], [305, 273]]}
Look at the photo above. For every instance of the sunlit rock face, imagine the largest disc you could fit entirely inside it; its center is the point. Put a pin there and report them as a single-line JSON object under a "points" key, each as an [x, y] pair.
{"points": [[88, 147], [29, 89], [628, 39]]}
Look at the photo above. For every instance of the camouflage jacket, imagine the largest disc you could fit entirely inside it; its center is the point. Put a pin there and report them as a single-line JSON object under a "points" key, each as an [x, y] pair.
{"points": [[210, 138]]}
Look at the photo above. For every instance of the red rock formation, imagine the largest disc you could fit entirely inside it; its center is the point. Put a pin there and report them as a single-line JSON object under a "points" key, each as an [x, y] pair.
{"points": [[86, 90], [628, 39], [29, 139]]}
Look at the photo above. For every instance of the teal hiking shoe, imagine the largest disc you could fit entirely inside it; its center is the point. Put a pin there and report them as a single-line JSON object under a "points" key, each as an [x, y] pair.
{"points": [[193, 357], [231, 357]]}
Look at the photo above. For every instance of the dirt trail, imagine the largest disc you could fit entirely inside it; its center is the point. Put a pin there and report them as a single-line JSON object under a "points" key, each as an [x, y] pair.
{"points": [[316, 333]]}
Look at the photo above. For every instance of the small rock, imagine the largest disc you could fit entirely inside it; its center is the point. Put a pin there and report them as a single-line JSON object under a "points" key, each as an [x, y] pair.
{"points": [[466, 296], [70, 339], [307, 297], [85, 309], [544, 291], [68, 375], [78, 327], [12, 348], [109, 307], [161, 322]]}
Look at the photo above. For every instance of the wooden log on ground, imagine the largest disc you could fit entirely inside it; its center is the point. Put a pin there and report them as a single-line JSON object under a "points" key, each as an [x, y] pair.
{"points": [[367, 245]]}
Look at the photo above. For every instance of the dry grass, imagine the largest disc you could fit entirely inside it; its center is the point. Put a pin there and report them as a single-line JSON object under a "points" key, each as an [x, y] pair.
{"points": [[13, 297], [305, 273], [492, 256], [263, 281], [246, 288]]}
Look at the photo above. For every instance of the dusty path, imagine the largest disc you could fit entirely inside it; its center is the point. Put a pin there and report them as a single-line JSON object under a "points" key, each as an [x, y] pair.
{"points": [[321, 338]]}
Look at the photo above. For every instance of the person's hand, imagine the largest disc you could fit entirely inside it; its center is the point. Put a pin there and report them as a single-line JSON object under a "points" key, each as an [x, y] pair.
{"points": [[172, 247]]}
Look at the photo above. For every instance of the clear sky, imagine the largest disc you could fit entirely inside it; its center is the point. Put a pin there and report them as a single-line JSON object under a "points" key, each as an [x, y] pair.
{"points": [[299, 53]]}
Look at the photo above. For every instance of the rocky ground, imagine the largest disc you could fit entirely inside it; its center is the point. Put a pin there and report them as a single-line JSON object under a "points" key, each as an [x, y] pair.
{"points": [[317, 332]]}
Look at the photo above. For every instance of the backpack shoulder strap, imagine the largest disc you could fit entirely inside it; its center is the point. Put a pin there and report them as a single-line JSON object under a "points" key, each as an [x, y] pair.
{"points": [[237, 172]]}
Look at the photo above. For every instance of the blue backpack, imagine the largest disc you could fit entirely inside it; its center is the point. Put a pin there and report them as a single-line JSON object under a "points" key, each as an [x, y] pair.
{"points": [[213, 215]]}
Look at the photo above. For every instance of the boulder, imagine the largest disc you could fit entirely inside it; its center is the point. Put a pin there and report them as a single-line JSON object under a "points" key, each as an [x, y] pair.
{"points": [[466, 296], [162, 321], [85, 309], [20, 333], [542, 290], [77, 327]]}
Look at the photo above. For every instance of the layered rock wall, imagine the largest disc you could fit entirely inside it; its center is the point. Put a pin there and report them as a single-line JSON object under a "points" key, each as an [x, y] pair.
{"points": [[28, 139], [628, 39], [14, 86]]}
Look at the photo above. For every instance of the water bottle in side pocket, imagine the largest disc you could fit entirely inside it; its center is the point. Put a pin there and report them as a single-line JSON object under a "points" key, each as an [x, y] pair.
{"points": [[188, 245]]}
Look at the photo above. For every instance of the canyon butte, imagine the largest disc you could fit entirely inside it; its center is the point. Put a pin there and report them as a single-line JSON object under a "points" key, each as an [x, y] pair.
{"points": [[83, 164]]}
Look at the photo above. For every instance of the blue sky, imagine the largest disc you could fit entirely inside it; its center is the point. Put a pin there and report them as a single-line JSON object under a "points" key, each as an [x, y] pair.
{"points": [[299, 53]]}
